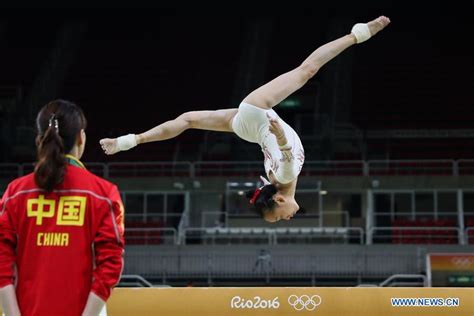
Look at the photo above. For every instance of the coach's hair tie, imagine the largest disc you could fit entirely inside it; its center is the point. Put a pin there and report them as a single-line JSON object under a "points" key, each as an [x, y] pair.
{"points": [[54, 120]]}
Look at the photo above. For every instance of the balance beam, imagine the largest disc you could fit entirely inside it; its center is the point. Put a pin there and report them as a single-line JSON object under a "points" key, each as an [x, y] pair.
{"points": [[260, 301]]}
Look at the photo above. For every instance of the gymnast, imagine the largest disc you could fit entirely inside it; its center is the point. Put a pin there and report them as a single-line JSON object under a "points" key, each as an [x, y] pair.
{"points": [[256, 121]]}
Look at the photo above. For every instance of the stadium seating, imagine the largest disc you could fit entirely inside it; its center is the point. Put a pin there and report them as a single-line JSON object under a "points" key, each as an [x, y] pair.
{"points": [[424, 235]]}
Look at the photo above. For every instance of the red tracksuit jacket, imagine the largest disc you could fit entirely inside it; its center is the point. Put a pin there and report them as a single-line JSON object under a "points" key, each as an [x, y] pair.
{"points": [[57, 247]]}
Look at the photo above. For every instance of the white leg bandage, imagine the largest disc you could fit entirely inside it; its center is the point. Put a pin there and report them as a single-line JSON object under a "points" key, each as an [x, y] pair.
{"points": [[126, 142], [361, 32]]}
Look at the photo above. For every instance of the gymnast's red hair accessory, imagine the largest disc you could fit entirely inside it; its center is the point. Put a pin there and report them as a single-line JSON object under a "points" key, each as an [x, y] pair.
{"points": [[255, 196]]}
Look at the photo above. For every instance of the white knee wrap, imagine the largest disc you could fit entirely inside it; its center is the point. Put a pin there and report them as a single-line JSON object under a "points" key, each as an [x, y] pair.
{"points": [[361, 32], [126, 142]]}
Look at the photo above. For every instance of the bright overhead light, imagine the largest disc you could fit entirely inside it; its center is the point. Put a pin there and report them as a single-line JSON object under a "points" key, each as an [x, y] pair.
{"points": [[323, 192]]}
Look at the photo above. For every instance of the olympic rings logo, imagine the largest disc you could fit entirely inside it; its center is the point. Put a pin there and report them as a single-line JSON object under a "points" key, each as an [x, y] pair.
{"points": [[463, 261], [304, 302]]}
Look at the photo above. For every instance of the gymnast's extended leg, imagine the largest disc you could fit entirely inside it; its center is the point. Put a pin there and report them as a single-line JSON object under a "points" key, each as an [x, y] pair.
{"points": [[275, 91], [219, 120]]}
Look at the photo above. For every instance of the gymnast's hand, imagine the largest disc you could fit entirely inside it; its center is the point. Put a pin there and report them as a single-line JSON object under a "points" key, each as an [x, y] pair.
{"points": [[276, 129]]}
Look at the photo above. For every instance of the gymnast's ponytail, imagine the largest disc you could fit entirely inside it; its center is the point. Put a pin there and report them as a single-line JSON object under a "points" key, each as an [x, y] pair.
{"points": [[262, 199]]}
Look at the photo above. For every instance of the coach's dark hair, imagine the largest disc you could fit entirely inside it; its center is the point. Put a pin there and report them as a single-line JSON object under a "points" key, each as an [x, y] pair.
{"points": [[58, 124], [264, 203]]}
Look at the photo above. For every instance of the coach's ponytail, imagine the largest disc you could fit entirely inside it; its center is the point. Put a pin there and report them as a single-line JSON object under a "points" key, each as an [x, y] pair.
{"points": [[59, 124], [262, 199], [49, 170]]}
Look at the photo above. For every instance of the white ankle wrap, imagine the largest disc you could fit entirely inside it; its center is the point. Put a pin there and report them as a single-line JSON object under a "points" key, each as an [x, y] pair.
{"points": [[126, 142], [361, 32]]}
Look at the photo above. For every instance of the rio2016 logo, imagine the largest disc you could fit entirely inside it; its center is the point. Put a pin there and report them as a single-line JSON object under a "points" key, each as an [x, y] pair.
{"points": [[256, 303]]}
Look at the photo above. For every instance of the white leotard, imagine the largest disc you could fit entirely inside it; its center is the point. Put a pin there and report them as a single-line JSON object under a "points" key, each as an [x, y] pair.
{"points": [[251, 124]]}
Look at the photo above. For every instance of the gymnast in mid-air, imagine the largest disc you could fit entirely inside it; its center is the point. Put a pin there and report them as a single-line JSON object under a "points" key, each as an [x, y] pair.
{"points": [[256, 121]]}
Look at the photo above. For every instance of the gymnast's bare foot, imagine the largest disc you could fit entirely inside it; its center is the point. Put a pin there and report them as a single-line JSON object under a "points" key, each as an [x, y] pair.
{"points": [[378, 24], [109, 145]]}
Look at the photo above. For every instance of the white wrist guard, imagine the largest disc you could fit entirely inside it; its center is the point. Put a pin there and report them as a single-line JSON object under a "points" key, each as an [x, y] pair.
{"points": [[126, 142], [285, 147], [361, 32]]}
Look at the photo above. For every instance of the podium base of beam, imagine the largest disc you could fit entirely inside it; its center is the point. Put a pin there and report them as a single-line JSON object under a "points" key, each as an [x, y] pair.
{"points": [[322, 301]]}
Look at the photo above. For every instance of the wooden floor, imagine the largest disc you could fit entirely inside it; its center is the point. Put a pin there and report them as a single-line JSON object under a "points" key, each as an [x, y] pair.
{"points": [[261, 301], [289, 301]]}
